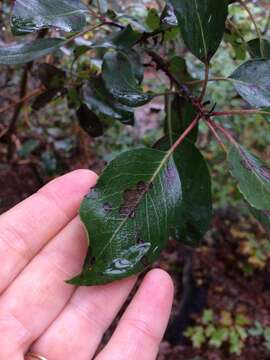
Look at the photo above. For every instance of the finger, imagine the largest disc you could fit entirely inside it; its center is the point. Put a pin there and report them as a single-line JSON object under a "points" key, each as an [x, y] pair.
{"points": [[142, 326], [26, 228], [78, 330], [39, 293]]}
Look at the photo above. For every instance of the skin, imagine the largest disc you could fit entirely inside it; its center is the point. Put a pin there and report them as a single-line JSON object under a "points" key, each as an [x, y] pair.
{"points": [[42, 243]]}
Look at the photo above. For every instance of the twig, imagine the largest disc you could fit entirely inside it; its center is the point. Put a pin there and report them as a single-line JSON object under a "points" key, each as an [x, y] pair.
{"points": [[240, 112], [27, 97], [213, 130], [244, 5], [205, 82]]}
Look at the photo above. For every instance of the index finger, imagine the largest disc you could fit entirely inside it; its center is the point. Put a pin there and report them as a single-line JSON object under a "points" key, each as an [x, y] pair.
{"points": [[27, 227]]}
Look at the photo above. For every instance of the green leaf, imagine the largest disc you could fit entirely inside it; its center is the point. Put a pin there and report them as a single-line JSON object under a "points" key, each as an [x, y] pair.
{"points": [[202, 24], [179, 115], [253, 177], [128, 215], [23, 53], [178, 67], [194, 213], [120, 79], [50, 76], [255, 48], [122, 39], [33, 15], [252, 81], [89, 121], [101, 102], [152, 19]]}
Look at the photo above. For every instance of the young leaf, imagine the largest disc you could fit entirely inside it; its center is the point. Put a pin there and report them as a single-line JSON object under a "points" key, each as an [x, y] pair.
{"points": [[128, 215], [50, 76], [252, 81], [152, 19], [194, 213], [179, 114], [254, 47], [253, 177], [100, 101], [23, 53], [202, 25], [89, 121], [120, 78], [33, 15]]}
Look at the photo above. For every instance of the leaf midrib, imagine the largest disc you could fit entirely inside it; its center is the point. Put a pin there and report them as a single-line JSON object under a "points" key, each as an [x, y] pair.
{"points": [[126, 218]]}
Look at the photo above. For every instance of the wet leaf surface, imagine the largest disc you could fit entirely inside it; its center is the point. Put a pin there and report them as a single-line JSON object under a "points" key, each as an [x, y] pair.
{"points": [[202, 25], [128, 215], [119, 74], [101, 102], [23, 53], [89, 121], [194, 214], [252, 81], [253, 177], [33, 15]]}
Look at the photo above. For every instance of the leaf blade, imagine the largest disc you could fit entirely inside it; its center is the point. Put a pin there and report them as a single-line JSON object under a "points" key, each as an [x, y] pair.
{"points": [[26, 52], [128, 215], [202, 24], [33, 15]]}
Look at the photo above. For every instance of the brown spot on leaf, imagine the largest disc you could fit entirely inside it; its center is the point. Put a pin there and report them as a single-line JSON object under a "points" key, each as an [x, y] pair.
{"points": [[145, 261], [132, 198]]}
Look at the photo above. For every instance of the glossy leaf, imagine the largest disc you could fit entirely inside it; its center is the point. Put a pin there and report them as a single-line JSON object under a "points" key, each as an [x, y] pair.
{"points": [[33, 15], [50, 76], [23, 53], [202, 25], [128, 215], [101, 102], [194, 214], [120, 78], [168, 18], [252, 175], [179, 115], [255, 48], [89, 121], [252, 81]]}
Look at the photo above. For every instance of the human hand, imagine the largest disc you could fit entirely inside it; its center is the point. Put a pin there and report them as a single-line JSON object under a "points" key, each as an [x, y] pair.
{"points": [[42, 243]]}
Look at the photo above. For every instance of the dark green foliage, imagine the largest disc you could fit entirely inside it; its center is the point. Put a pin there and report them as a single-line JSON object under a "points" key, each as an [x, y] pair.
{"points": [[128, 215], [194, 213], [89, 122], [202, 24]]}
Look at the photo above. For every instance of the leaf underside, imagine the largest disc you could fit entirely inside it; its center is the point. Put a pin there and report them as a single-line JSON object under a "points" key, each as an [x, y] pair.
{"points": [[253, 177], [252, 81]]}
